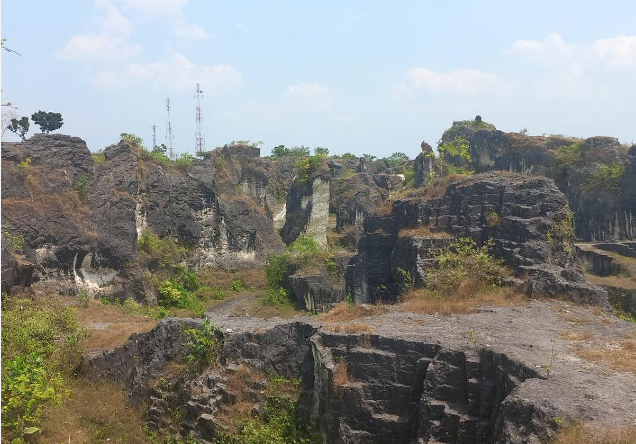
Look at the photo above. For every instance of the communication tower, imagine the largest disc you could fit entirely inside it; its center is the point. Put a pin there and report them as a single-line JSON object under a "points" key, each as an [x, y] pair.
{"points": [[199, 136], [169, 135]]}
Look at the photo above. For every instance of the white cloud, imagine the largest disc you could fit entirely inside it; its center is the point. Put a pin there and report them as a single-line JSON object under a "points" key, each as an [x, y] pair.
{"points": [[553, 52], [177, 73], [309, 96], [166, 8], [112, 42], [463, 82], [617, 52], [190, 31]]}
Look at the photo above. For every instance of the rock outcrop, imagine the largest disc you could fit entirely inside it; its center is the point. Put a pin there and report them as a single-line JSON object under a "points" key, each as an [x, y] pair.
{"points": [[81, 221], [526, 218], [596, 174], [308, 208], [414, 379]]}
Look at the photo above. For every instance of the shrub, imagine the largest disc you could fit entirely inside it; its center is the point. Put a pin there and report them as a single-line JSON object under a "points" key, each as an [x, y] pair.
{"points": [[15, 243], [276, 269], [459, 147], [409, 177], [304, 244], [22, 168], [204, 345], [238, 285], [81, 186], [404, 280], [174, 294], [278, 296], [164, 251], [463, 263], [27, 387]]}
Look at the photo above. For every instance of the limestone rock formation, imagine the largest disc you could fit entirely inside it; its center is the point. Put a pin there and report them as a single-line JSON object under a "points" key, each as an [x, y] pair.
{"points": [[415, 378], [531, 232], [596, 174], [81, 222], [308, 208]]}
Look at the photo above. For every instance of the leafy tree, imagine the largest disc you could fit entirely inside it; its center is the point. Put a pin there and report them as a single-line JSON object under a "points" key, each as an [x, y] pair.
{"points": [[279, 151], [369, 156], [319, 151], [283, 151], [160, 149], [395, 159], [132, 138], [47, 121], [20, 127]]}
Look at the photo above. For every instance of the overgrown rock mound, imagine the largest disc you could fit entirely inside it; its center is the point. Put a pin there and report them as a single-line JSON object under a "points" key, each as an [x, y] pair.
{"points": [[527, 218], [80, 221], [596, 174]]}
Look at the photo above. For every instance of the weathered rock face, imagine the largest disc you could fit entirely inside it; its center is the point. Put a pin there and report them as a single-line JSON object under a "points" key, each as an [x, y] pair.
{"points": [[415, 379], [532, 235], [605, 210], [424, 165], [356, 197], [16, 272], [93, 243], [308, 209]]}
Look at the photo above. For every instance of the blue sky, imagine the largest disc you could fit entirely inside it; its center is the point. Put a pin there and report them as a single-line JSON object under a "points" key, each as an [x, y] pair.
{"points": [[357, 76]]}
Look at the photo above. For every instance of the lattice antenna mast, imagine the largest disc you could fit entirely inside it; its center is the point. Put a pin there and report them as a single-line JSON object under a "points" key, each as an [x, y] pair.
{"points": [[154, 137], [169, 135], [199, 135]]}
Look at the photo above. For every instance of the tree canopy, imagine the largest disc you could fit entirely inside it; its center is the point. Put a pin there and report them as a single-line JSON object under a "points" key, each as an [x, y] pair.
{"points": [[47, 121], [20, 127]]}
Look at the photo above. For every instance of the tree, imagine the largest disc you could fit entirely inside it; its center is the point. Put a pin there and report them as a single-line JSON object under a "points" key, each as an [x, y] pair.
{"points": [[47, 121], [20, 127], [160, 149], [132, 138], [319, 151], [279, 151], [7, 116]]}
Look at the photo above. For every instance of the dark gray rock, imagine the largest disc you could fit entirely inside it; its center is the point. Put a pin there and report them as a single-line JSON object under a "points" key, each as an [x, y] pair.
{"points": [[532, 235]]}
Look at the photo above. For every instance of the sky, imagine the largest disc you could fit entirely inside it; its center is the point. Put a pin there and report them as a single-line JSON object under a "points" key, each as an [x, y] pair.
{"points": [[358, 76]]}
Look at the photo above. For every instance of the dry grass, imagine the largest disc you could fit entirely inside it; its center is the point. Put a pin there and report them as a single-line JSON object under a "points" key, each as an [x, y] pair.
{"points": [[424, 231], [619, 356], [386, 208], [215, 278], [241, 405], [344, 312], [95, 412], [582, 434], [425, 301], [575, 319], [576, 335], [354, 327], [110, 326], [341, 376], [437, 187]]}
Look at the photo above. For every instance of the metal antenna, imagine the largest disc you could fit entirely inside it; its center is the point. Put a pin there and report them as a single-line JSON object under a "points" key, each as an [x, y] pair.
{"points": [[169, 135], [199, 136], [154, 137]]}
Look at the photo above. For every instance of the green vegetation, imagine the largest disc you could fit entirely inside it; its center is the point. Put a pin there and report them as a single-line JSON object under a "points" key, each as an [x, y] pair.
{"points": [[404, 280], [459, 147], [610, 176], [303, 253], [320, 151], [474, 125], [283, 151], [238, 286], [132, 138], [462, 262], [14, 242], [567, 155], [308, 166], [409, 176], [394, 159], [81, 186], [204, 344], [159, 252], [563, 230], [276, 422], [39, 348], [20, 127], [98, 157], [47, 121], [22, 168]]}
